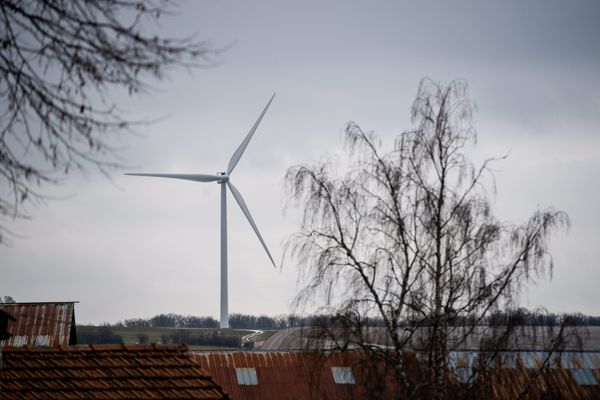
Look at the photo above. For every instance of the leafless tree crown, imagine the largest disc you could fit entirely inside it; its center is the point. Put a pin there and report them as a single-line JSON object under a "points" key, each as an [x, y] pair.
{"points": [[409, 236], [58, 61]]}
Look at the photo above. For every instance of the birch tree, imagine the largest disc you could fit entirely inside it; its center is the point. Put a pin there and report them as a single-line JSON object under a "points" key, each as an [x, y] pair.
{"points": [[408, 235]]}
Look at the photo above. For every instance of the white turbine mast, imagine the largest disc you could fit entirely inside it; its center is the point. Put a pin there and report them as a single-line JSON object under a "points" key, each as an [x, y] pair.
{"points": [[222, 178]]}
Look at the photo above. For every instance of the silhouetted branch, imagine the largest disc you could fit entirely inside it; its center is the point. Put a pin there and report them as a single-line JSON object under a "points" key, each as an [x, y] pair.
{"points": [[58, 62]]}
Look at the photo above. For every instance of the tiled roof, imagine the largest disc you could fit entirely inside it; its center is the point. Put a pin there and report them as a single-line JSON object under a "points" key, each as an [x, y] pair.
{"points": [[40, 324], [105, 372], [355, 375]]}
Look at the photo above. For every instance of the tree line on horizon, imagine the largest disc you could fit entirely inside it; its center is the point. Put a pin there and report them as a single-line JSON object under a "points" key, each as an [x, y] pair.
{"points": [[248, 321]]}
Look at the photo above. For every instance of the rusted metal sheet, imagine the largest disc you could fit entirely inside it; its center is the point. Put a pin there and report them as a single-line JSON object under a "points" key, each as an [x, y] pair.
{"points": [[286, 375], [309, 375], [532, 375], [531, 359], [40, 324], [105, 372]]}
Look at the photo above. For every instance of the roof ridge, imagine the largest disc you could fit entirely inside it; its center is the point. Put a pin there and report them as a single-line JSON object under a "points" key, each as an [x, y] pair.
{"points": [[91, 347], [39, 302]]}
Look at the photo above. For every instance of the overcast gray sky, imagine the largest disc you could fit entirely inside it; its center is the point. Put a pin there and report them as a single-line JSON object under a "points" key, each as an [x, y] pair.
{"points": [[137, 247]]}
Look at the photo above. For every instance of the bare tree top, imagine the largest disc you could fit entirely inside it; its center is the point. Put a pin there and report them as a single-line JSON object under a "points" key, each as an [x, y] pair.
{"points": [[408, 236]]}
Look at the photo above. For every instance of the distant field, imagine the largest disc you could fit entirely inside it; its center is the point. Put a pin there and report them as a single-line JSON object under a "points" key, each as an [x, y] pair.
{"points": [[155, 335]]}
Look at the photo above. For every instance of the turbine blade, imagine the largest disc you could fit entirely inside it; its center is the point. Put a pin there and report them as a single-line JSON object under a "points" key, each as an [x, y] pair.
{"points": [[187, 177], [242, 204], [240, 150]]}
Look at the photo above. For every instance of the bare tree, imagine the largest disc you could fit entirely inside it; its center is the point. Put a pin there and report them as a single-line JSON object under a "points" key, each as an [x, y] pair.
{"points": [[409, 236], [58, 62], [7, 300]]}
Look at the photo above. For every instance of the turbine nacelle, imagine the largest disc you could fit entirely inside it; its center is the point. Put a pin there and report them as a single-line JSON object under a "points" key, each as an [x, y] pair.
{"points": [[224, 178]]}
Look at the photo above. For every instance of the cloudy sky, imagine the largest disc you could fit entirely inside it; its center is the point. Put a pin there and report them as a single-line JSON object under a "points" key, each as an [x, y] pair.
{"points": [[136, 247]]}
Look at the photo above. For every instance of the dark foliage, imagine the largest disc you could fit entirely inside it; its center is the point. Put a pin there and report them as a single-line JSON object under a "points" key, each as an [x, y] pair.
{"points": [[170, 321], [142, 338], [7, 300], [247, 321], [101, 335], [212, 338]]}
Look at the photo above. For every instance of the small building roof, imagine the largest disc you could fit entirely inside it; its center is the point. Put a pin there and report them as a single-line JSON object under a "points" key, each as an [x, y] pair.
{"points": [[40, 324], [105, 372]]}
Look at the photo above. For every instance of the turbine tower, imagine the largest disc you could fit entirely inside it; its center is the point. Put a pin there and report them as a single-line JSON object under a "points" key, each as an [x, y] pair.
{"points": [[222, 178]]}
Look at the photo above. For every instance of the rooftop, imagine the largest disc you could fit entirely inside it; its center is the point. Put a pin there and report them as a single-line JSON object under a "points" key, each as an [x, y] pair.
{"points": [[105, 372], [40, 324]]}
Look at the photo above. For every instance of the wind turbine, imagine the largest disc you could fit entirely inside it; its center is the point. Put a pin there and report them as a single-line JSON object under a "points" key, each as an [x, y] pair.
{"points": [[222, 178]]}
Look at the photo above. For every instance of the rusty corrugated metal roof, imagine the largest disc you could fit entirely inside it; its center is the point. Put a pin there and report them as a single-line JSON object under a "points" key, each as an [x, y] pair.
{"points": [[531, 359], [293, 375], [531, 375], [40, 324], [105, 372], [309, 375]]}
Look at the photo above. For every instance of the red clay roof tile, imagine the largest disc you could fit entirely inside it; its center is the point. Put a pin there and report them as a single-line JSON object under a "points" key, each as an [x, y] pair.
{"points": [[105, 372]]}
